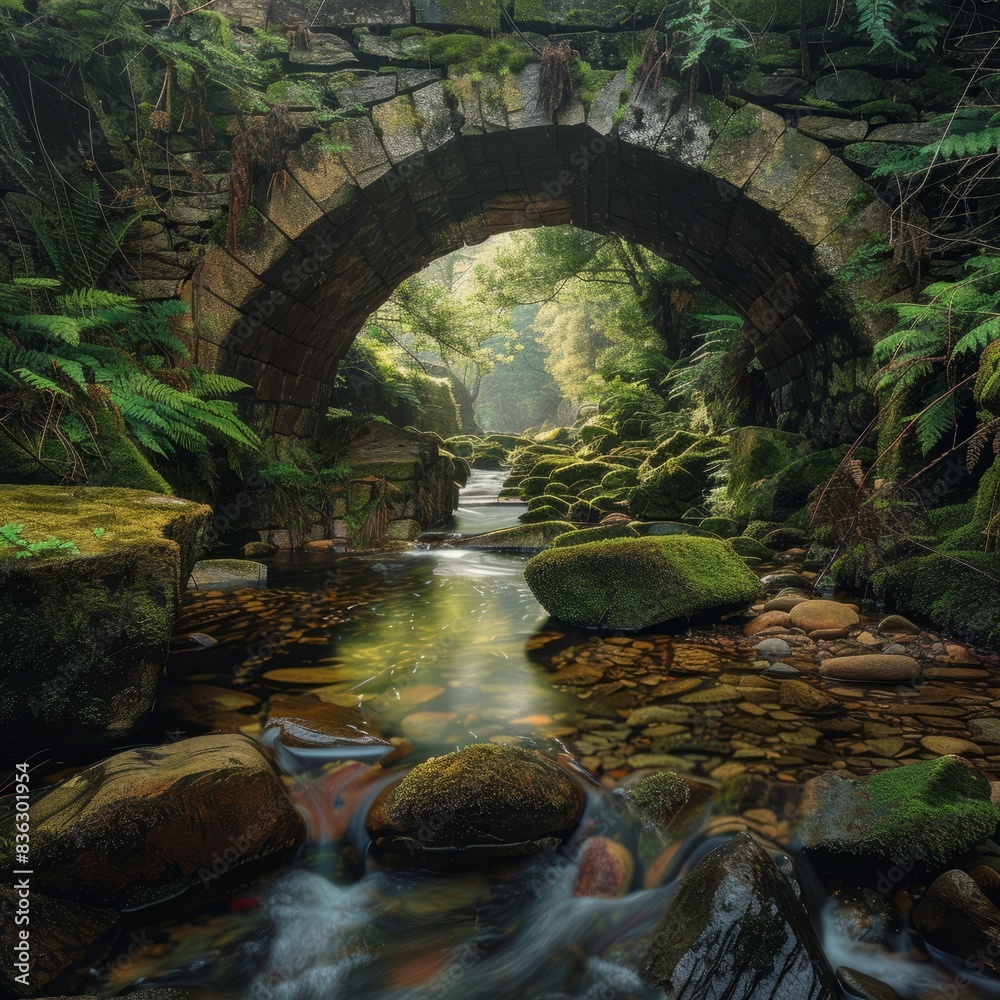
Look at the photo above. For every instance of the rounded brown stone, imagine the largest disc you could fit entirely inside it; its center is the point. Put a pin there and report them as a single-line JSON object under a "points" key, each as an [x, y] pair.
{"points": [[876, 667], [813, 615], [770, 619], [606, 869]]}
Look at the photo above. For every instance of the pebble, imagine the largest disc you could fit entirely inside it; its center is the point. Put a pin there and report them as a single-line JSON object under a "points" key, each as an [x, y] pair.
{"points": [[829, 633], [798, 694], [895, 649], [986, 729], [876, 667], [773, 646], [657, 713]]}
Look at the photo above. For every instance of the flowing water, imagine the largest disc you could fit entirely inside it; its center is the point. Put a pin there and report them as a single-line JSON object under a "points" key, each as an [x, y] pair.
{"points": [[442, 647]]}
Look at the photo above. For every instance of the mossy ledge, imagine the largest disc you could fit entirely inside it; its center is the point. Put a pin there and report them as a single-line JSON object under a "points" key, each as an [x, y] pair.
{"points": [[85, 635]]}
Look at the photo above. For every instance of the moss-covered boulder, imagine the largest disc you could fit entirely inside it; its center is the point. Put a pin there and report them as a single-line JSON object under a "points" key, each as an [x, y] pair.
{"points": [[756, 454], [485, 798], [581, 474], [146, 824], [745, 546], [523, 538], [85, 628], [599, 534], [928, 812], [632, 583], [668, 488], [789, 490], [543, 513]]}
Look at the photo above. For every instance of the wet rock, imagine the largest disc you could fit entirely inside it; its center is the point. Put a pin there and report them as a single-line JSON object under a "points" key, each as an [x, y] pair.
{"points": [[897, 623], [496, 799], [299, 742], [146, 824], [60, 934], [773, 647], [781, 670], [228, 574], [956, 917], [806, 698], [985, 729], [649, 714], [660, 797], [867, 987], [769, 619], [927, 812], [605, 869], [523, 538], [884, 668], [813, 615], [735, 928], [773, 582], [633, 583]]}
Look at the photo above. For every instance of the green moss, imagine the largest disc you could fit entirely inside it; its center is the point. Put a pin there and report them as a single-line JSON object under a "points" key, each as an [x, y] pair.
{"points": [[619, 477], [466, 54], [892, 111], [787, 492], [929, 812], [588, 82], [598, 534], [634, 583], [724, 527], [766, 15], [755, 453], [668, 489], [660, 797], [85, 636], [956, 591], [523, 538], [544, 513], [581, 473], [745, 546], [548, 500]]}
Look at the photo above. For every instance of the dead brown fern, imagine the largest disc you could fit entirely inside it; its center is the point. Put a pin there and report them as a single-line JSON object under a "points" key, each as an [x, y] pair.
{"points": [[555, 78], [258, 152]]}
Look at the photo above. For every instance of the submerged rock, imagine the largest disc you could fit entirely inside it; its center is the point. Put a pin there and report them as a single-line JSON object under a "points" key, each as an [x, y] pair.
{"points": [[605, 869], [146, 824], [228, 574], [633, 583], [956, 917], [736, 929], [858, 984], [490, 798], [927, 812]]}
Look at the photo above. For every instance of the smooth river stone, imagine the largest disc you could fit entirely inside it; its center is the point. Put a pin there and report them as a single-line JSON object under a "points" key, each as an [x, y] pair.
{"points": [[813, 615], [769, 619], [876, 667], [773, 647], [986, 729], [944, 745], [897, 623]]}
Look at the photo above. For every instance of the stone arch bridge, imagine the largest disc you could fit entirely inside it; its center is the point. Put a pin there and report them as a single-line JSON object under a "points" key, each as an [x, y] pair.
{"points": [[766, 217]]}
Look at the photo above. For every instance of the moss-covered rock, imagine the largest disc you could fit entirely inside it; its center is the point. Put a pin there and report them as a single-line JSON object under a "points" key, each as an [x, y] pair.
{"points": [[789, 490], [668, 488], [485, 797], [85, 635], [523, 538], [543, 513], [724, 527], [598, 534], [660, 797], [928, 812], [580, 474], [634, 583], [756, 454], [745, 546], [956, 591]]}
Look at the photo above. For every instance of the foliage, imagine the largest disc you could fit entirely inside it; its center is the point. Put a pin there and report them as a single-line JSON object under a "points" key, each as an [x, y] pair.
{"points": [[908, 30], [932, 354], [301, 487], [11, 537]]}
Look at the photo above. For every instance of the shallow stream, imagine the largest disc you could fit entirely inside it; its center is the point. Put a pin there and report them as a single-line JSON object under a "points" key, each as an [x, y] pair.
{"points": [[442, 647]]}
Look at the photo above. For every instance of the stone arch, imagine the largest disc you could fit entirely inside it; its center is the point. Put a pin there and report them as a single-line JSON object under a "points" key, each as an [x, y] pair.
{"points": [[767, 218]]}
